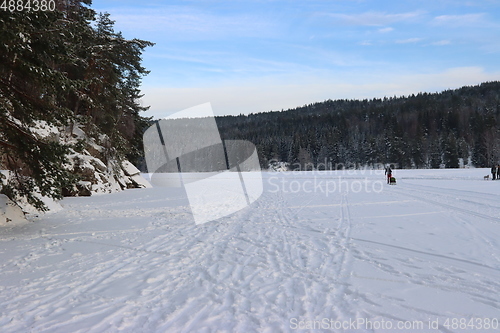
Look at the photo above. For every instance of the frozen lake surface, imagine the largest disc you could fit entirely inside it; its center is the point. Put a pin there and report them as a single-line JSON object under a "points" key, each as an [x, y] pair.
{"points": [[318, 251]]}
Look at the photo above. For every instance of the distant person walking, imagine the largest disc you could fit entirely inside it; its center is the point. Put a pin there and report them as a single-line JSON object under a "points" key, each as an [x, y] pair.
{"points": [[498, 172], [388, 172], [493, 172]]}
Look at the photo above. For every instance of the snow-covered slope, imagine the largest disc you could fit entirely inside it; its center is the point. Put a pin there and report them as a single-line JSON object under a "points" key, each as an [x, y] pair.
{"points": [[96, 176], [99, 174], [424, 252]]}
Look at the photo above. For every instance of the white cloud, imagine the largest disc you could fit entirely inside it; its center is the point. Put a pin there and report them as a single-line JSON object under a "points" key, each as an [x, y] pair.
{"points": [[448, 79], [373, 18], [250, 97], [460, 20], [366, 43], [442, 42], [385, 30], [187, 23], [409, 41]]}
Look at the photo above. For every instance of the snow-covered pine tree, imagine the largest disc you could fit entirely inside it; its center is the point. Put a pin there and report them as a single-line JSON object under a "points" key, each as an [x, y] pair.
{"points": [[57, 68], [32, 89], [107, 102]]}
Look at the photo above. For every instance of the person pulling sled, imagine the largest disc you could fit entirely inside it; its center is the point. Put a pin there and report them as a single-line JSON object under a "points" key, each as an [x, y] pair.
{"points": [[390, 179]]}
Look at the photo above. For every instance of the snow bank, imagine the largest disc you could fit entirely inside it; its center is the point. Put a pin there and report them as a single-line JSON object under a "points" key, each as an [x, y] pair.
{"points": [[10, 213], [43, 130], [278, 166], [23, 205]]}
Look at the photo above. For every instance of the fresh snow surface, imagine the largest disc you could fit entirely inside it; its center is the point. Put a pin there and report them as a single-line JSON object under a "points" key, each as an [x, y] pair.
{"points": [[423, 252]]}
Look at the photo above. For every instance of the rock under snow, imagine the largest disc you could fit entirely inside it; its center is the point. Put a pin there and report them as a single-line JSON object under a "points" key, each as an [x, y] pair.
{"points": [[96, 176], [140, 181], [98, 173], [130, 169]]}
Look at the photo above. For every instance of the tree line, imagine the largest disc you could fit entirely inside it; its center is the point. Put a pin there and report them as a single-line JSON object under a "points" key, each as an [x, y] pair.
{"points": [[427, 130], [64, 67]]}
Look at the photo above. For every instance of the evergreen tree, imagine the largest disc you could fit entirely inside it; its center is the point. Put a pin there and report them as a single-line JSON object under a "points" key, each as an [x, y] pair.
{"points": [[58, 68], [479, 155], [31, 46], [411, 131], [450, 155]]}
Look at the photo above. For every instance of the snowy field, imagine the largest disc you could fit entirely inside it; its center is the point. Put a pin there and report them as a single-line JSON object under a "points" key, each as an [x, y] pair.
{"points": [[421, 256]]}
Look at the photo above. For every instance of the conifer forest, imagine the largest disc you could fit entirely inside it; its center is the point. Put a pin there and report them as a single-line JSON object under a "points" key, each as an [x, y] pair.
{"points": [[425, 130]]}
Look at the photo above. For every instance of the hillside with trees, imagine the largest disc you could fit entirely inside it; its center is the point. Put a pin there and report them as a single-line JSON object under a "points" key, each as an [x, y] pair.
{"points": [[427, 130], [68, 72]]}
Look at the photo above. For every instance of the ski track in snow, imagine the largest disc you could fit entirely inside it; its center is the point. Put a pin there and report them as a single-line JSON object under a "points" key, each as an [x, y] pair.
{"points": [[136, 262]]}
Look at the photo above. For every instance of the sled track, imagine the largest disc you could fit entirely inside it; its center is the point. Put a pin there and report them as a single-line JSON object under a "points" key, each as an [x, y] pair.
{"points": [[468, 197], [429, 254], [285, 256], [460, 220], [448, 206]]}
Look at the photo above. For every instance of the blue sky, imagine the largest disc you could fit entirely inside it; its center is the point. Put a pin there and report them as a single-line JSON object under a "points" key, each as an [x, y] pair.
{"points": [[261, 55]]}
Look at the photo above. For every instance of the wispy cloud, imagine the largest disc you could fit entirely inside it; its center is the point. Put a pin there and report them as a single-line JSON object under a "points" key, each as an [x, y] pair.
{"points": [[385, 30], [187, 23], [460, 20], [373, 18], [257, 55], [409, 41], [442, 42], [265, 96]]}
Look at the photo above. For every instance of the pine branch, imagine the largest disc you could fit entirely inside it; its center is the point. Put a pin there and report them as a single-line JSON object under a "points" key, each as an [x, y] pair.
{"points": [[7, 145]]}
